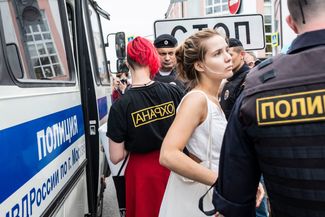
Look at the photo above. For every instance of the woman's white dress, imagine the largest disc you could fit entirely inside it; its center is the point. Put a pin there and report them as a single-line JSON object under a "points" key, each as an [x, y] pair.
{"points": [[182, 195]]}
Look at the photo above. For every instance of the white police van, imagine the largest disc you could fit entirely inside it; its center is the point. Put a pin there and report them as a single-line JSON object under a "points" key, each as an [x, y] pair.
{"points": [[54, 95]]}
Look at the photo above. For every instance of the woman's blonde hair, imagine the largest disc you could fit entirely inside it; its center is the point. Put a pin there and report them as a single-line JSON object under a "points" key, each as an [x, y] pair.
{"points": [[190, 52]]}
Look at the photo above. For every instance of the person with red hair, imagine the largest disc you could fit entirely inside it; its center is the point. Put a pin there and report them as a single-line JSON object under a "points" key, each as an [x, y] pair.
{"points": [[137, 124]]}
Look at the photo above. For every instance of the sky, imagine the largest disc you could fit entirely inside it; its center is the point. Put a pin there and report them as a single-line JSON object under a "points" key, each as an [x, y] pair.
{"points": [[134, 17]]}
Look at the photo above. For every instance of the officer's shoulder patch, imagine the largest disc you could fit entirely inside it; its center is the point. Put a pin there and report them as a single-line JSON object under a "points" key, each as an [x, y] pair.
{"points": [[265, 63], [267, 75]]}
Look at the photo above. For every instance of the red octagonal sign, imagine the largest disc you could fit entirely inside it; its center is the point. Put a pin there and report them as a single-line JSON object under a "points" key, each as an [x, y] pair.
{"points": [[233, 6]]}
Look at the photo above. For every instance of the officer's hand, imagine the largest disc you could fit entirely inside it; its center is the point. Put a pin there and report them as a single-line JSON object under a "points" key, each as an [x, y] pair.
{"points": [[259, 195], [122, 86], [116, 82]]}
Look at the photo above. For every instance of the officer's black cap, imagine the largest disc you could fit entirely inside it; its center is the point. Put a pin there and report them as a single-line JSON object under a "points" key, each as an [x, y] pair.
{"points": [[257, 61], [165, 40], [233, 42]]}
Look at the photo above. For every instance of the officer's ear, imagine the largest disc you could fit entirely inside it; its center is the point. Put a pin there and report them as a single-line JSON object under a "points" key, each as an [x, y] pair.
{"points": [[292, 24], [198, 65], [242, 54]]}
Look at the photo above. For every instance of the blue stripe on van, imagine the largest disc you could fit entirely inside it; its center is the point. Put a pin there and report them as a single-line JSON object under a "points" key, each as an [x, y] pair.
{"points": [[102, 107], [19, 160]]}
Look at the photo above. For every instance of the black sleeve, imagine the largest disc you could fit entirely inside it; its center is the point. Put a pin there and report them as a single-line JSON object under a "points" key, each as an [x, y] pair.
{"points": [[239, 172], [241, 86], [177, 93], [116, 123]]}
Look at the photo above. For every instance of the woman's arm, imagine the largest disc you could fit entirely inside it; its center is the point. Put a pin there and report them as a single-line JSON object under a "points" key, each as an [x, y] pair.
{"points": [[116, 151], [191, 113]]}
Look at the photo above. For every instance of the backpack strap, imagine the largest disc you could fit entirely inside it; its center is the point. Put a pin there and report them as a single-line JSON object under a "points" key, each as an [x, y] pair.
{"points": [[123, 164]]}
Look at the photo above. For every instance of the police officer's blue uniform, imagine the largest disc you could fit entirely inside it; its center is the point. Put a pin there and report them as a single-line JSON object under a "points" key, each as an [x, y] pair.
{"points": [[278, 128]]}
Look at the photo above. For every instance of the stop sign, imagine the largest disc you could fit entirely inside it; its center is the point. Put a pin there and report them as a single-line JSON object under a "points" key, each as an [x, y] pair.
{"points": [[233, 6]]}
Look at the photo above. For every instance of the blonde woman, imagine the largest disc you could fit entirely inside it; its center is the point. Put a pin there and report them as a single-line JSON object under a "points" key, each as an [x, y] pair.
{"points": [[203, 60]]}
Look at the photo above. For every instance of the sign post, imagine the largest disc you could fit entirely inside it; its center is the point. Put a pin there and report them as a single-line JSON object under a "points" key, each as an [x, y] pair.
{"points": [[249, 29], [275, 39]]}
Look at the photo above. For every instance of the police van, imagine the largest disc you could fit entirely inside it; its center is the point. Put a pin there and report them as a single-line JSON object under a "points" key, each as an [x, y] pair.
{"points": [[55, 89]]}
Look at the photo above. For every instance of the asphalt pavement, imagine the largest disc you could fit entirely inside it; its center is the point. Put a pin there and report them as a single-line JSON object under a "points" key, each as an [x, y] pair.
{"points": [[110, 206]]}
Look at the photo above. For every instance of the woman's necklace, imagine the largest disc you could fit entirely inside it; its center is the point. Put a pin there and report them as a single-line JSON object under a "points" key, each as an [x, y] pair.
{"points": [[142, 85]]}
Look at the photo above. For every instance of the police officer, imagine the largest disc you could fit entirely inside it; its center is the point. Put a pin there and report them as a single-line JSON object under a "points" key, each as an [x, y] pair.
{"points": [[166, 47], [277, 127], [250, 59], [234, 84], [231, 90]]}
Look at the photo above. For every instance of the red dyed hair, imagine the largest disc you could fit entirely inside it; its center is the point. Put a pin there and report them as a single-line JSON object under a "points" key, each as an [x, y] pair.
{"points": [[142, 51]]}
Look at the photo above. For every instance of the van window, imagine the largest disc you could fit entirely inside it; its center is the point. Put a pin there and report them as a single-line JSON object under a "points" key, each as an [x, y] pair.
{"points": [[71, 25], [36, 31], [99, 46]]}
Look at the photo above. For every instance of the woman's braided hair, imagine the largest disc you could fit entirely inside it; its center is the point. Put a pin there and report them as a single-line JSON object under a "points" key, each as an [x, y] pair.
{"points": [[191, 51]]}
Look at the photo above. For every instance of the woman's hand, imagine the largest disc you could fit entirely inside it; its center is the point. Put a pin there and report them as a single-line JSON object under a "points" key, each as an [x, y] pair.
{"points": [[260, 194]]}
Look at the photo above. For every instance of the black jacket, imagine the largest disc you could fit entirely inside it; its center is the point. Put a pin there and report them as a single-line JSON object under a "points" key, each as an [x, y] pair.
{"points": [[277, 128], [171, 79], [232, 89]]}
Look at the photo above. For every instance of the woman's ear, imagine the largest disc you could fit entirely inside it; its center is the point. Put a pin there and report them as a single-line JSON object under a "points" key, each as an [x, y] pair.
{"points": [[199, 66]]}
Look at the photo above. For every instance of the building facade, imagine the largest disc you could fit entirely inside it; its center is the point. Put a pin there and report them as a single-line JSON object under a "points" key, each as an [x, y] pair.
{"points": [[278, 36]]}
